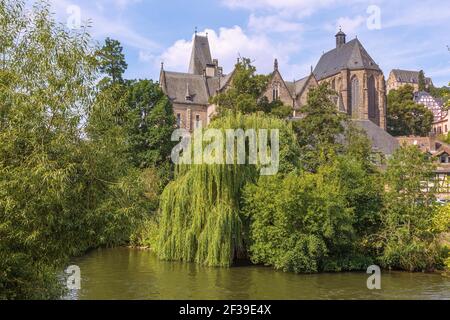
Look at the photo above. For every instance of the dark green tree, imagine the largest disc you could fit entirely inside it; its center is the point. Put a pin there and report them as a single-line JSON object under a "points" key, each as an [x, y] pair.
{"points": [[112, 61], [150, 125], [422, 81], [404, 116], [320, 128]]}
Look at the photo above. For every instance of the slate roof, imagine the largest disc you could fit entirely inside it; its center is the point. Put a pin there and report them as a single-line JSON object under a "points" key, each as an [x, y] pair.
{"points": [[408, 76], [178, 85], [351, 55], [297, 87], [381, 140], [200, 56]]}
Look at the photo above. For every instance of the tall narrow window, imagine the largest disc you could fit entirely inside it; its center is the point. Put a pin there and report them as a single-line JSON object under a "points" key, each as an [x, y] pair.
{"points": [[354, 96], [178, 120], [197, 121], [275, 91], [372, 98]]}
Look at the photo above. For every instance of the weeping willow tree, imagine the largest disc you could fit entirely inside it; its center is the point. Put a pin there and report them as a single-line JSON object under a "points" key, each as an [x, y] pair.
{"points": [[199, 217]]}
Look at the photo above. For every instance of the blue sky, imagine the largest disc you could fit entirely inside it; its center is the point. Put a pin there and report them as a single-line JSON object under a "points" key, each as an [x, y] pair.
{"points": [[397, 34]]}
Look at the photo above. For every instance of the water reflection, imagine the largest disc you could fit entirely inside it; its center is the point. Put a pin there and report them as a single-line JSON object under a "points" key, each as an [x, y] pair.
{"points": [[123, 273]]}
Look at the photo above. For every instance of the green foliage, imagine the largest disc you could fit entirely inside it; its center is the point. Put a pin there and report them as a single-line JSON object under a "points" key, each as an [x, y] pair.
{"points": [[200, 216], [321, 221], [150, 123], [404, 116], [65, 184], [407, 240], [245, 94], [112, 61], [441, 93], [320, 128], [422, 81]]}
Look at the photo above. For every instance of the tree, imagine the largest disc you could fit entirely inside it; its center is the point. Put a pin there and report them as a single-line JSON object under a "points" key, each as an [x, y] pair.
{"points": [[112, 61], [407, 240], [404, 116], [245, 93], [150, 125], [320, 220], [199, 218], [422, 81], [320, 128], [65, 183]]}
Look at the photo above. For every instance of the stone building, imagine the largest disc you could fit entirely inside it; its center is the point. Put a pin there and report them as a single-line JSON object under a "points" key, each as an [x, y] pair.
{"points": [[190, 92], [348, 68], [357, 79], [399, 78], [291, 93]]}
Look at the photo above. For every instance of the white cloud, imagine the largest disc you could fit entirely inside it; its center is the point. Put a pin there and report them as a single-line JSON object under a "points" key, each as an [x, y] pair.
{"points": [[104, 25], [297, 8], [230, 43], [274, 23], [350, 25], [277, 4]]}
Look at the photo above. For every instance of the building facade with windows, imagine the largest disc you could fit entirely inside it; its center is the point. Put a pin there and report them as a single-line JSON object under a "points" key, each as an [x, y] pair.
{"points": [[357, 79], [399, 78], [441, 122], [348, 68]]}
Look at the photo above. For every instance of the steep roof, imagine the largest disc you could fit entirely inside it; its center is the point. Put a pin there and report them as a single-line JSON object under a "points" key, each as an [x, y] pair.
{"points": [[408, 76], [200, 56], [381, 140], [351, 55], [177, 85], [298, 86]]}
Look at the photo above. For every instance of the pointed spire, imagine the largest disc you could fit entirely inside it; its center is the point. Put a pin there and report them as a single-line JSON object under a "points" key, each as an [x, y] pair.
{"points": [[195, 31], [275, 65], [311, 69], [200, 55], [162, 65]]}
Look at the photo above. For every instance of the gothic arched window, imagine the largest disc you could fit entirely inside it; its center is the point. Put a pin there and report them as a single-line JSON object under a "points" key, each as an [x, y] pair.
{"points": [[372, 97], [276, 91], [354, 95]]}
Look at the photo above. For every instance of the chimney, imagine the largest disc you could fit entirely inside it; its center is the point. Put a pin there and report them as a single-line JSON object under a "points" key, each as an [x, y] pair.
{"points": [[340, 38], [210, 70]]}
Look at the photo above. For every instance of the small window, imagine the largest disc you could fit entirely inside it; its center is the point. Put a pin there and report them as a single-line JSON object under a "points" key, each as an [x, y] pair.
{"points": [[444, 159], [178, 120], [197, 121]]}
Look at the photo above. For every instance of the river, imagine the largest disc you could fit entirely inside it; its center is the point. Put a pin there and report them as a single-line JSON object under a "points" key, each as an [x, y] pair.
{"points": [[124, 273]]}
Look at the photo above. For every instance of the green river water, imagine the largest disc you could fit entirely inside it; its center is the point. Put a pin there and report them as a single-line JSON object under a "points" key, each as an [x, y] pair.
{"points": [[123, 273]]}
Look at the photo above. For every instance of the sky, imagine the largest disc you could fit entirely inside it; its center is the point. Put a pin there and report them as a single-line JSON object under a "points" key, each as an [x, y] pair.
{"points": [[411, 35]]}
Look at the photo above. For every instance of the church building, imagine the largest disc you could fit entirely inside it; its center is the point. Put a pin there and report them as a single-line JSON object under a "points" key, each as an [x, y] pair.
{"points": [[348, 68]]}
